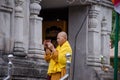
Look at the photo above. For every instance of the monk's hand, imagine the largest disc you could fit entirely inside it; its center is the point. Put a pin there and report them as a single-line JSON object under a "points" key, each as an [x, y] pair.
{"points": [[45, 44], [51, 46]]}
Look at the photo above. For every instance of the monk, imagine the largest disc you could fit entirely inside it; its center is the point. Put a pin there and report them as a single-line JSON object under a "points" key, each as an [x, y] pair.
{"points": [[56, 56]]}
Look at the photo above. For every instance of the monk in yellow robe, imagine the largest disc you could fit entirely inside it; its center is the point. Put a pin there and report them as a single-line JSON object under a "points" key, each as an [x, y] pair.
{"points": [[56, 57]]}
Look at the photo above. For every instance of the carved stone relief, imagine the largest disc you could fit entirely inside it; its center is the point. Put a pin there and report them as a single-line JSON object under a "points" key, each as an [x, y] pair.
{"points": [[5, 21]]}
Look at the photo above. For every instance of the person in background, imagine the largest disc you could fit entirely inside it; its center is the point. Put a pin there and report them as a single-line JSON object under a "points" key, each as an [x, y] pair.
{"points": [[56, 56]]}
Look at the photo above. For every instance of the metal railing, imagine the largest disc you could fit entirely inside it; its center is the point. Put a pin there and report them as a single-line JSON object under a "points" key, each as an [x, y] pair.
{"points": [[68, 62], [9, 73]]}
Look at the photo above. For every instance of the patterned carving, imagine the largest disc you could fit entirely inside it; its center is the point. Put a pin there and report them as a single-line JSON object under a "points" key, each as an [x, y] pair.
{"points": [[103, 26], [83, 1], [35, 7], [93, 21], [18, 44], [93, 34], [35, 45], [7, 2], [106, 3], [35, 1], [18, 8], [19, 2]]}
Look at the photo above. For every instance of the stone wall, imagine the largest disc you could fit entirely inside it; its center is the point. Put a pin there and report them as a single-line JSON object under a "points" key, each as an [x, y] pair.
{"points": [[21, 35], [89, 35]]}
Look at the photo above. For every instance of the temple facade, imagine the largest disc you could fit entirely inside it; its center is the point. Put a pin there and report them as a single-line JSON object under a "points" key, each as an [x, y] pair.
{"points": [[24, 24]]}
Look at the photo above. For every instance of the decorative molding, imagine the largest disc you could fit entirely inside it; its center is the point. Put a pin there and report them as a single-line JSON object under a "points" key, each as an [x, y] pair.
{"points": [[103, 26], [35, 40], [6, 8], [92, 21], [7, 2], [106, 3], [19, 2], [18, 8], [35, 7], [83, 1], [93, 57], [93, 61], [18, 44], [35, 1]]}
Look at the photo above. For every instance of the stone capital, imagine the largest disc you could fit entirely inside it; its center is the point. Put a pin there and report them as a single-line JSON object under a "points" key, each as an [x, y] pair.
{"points": [[106, 3], [19, 2], [35, 1], [103, 24], [35, 7]]}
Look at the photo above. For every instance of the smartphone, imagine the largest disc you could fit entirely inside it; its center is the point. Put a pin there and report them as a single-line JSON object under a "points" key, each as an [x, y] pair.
{"points": [[46, 41]]}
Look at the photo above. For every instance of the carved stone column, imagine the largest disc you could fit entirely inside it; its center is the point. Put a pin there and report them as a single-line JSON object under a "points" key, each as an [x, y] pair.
{"points": [[35, 32], [93, 57], [6, 20], [104, 42], [36, 49], [107, 70], [18, 44]]}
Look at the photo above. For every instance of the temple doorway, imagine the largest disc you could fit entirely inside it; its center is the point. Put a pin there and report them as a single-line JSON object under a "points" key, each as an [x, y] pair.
{"points": [[54, 21]]}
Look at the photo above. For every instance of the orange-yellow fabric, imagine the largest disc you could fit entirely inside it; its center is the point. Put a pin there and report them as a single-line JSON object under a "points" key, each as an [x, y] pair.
{"points": [[57, 59], [58, 75]]}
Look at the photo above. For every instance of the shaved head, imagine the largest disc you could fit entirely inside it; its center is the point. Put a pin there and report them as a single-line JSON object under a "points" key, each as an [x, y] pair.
{"points": [[63, 34], [61, 37]]}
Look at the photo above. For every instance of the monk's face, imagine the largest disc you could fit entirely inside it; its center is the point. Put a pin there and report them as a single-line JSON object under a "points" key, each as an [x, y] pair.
{"points": [[60, 39]]}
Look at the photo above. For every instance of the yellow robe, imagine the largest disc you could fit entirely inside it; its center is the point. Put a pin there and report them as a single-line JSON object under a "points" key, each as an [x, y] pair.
{"points": [[57, 59]]}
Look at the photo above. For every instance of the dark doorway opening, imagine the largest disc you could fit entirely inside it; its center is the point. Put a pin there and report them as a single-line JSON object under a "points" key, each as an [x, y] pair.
{"points": [[54, 21]]}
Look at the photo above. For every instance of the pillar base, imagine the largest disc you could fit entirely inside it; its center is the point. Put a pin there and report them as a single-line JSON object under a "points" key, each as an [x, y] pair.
{"points": [[24, 69]]}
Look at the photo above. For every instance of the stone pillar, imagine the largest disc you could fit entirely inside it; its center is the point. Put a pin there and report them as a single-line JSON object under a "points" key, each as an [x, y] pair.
{"points": [[35, 32], [18, 43], [105, 50], [108, 46], [104, 43], [105, 32], [93, 57], [36, 49], [6, 9]]}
